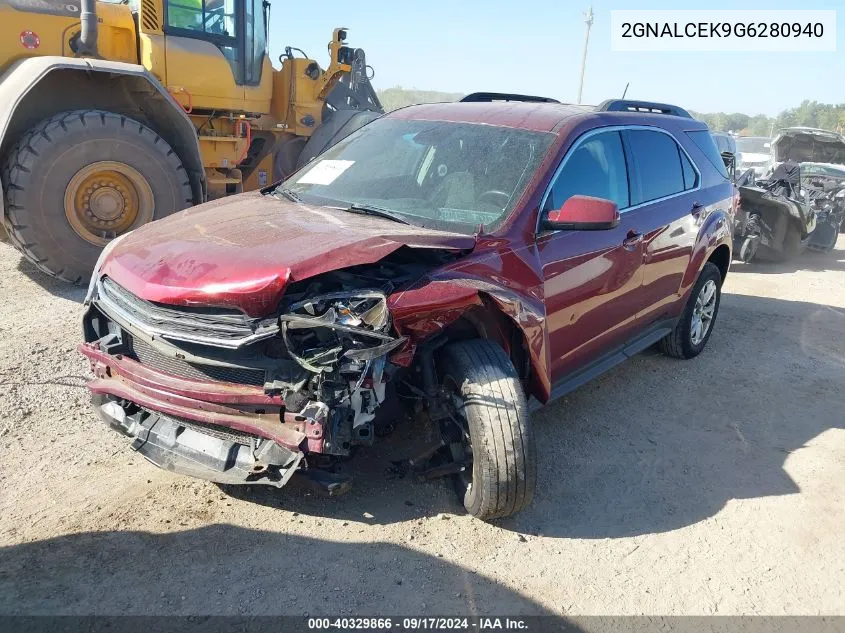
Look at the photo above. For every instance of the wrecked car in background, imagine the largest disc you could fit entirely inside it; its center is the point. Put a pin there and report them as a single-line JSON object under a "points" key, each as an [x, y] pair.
{"points": [[800, 205], [826, 184], [440, 265]]}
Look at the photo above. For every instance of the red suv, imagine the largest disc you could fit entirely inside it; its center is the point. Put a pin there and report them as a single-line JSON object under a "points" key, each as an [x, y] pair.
{"points": [[443, 265]]}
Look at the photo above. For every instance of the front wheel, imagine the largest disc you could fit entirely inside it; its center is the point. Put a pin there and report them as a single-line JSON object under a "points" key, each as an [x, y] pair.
{"points": [[695, 326], [500, 479]]}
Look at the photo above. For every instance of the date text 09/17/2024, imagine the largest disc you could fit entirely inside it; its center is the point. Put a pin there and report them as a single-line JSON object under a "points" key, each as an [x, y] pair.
{"points": [[418, 623]]}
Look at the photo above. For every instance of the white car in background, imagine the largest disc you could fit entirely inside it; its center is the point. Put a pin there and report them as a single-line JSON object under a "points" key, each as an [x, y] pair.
{"points": [[754, 152]]}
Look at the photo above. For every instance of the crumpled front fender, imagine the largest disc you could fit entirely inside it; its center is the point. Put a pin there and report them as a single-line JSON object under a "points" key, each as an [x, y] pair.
{"points": [[439, 300]]}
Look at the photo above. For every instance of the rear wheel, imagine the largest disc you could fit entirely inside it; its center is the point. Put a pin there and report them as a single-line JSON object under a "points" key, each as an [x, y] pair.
{"points": [[79, 179], [695, 326], [501, 476]]}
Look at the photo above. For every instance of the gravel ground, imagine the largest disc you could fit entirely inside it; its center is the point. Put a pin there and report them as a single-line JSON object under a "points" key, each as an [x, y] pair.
{"points": [[713, 486]]}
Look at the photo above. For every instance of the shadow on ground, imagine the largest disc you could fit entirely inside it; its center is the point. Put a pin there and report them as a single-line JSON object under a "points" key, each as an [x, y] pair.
{"points": [[222, 569], [54, 286], [655, 445], [833, 261]]}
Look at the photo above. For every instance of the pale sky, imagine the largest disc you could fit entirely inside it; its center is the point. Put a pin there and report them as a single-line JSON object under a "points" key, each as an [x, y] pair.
{"points": [[534, 47]]}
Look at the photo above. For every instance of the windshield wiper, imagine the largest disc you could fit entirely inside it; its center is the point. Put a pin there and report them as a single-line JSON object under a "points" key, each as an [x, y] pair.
{"points": [[287, 193], [369, 209]]}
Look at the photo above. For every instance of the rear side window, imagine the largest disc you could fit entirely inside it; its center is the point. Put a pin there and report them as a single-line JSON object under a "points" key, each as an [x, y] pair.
{"points": [[705, 143], [690, 177], [656, 170], [596, 168]]}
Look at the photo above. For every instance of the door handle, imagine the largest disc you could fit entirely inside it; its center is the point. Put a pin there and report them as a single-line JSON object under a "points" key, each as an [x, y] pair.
{"points": [[632, 240]]}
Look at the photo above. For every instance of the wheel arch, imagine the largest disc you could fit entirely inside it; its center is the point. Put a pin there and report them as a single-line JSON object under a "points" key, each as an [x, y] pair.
{"points": [[721, 257], [490, 322], [715, 236], [472, 307], [29, 86]]}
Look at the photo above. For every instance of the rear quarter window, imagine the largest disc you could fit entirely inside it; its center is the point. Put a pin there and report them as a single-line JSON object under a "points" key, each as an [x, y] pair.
{"points": [[704, 142]]}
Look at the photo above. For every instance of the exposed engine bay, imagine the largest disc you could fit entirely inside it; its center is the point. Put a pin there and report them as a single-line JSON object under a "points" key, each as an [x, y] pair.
{"points": [[827, 197], [782, 215], [215, 394]]}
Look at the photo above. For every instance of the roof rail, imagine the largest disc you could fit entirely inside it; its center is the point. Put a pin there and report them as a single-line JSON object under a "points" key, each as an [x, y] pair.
{"points": [[626, 105], [488, 97]]}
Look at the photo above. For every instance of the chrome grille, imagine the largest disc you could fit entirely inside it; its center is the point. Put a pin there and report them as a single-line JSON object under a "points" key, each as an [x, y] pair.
{"points": [[218, 327]]}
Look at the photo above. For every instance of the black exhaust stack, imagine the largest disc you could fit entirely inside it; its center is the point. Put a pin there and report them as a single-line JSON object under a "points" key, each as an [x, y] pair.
{"points": [[88, 35]]}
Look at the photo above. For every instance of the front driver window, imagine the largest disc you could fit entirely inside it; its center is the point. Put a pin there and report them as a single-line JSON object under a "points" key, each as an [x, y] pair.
{"points": [[595, 168]]}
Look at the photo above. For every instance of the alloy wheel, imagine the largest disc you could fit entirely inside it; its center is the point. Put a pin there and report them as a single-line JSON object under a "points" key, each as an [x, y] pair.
{"points": [[703, 312]]}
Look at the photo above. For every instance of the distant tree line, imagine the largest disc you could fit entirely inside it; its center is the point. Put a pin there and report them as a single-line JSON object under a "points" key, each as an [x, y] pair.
{"points": [[808, 114]]}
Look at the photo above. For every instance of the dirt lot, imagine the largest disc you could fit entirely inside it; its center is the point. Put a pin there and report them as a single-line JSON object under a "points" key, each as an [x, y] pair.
{"points": [[714, 486]]}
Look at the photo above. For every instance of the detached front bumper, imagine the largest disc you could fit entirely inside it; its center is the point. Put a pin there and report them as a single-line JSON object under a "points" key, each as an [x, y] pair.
{"points": [[222, 432], [172, 445]]}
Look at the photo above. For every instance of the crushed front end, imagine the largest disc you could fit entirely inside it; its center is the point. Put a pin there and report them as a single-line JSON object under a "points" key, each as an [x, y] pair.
{"points": [[826, 193], [213, 393]]}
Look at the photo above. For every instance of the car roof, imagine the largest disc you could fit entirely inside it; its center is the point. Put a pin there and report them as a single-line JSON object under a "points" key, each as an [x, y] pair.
{"points": [[538, 117]]}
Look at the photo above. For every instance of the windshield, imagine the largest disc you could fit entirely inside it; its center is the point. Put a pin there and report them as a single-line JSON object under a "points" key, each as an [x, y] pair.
{"points": [[754, 144], [436, 174]]}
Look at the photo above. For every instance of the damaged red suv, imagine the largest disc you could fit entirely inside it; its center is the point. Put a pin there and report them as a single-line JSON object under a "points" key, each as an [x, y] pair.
{"points": [[446, 264]]}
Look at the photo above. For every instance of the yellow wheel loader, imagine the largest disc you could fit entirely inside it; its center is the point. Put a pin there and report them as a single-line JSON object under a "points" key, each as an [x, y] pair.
{"points": [[113, 114]]}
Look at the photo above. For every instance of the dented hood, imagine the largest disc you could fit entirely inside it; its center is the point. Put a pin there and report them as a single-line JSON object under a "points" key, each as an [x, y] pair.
{"points": [[242, 251]]}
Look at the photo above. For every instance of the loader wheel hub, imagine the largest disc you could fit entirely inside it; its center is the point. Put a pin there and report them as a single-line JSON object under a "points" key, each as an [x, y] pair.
{"points": [[105, 199]]}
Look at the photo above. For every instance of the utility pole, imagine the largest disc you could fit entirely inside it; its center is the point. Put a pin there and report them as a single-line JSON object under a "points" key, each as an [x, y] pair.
{"points": [[588, 21]]}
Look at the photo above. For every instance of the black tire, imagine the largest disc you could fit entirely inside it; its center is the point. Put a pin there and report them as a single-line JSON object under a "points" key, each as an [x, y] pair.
{"points": [[679, 343], [39, 168], [504, 464]]}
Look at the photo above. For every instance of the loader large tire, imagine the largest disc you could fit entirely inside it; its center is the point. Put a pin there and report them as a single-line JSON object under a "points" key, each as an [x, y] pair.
{"points": [[81, 178]]}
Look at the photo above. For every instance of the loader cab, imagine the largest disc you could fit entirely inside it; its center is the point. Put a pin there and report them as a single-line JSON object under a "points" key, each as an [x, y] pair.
{"points": [[216, 53]]}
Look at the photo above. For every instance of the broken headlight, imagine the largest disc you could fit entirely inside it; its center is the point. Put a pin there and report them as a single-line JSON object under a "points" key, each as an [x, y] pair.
{"points": [[342, 339], [337, 328]]}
